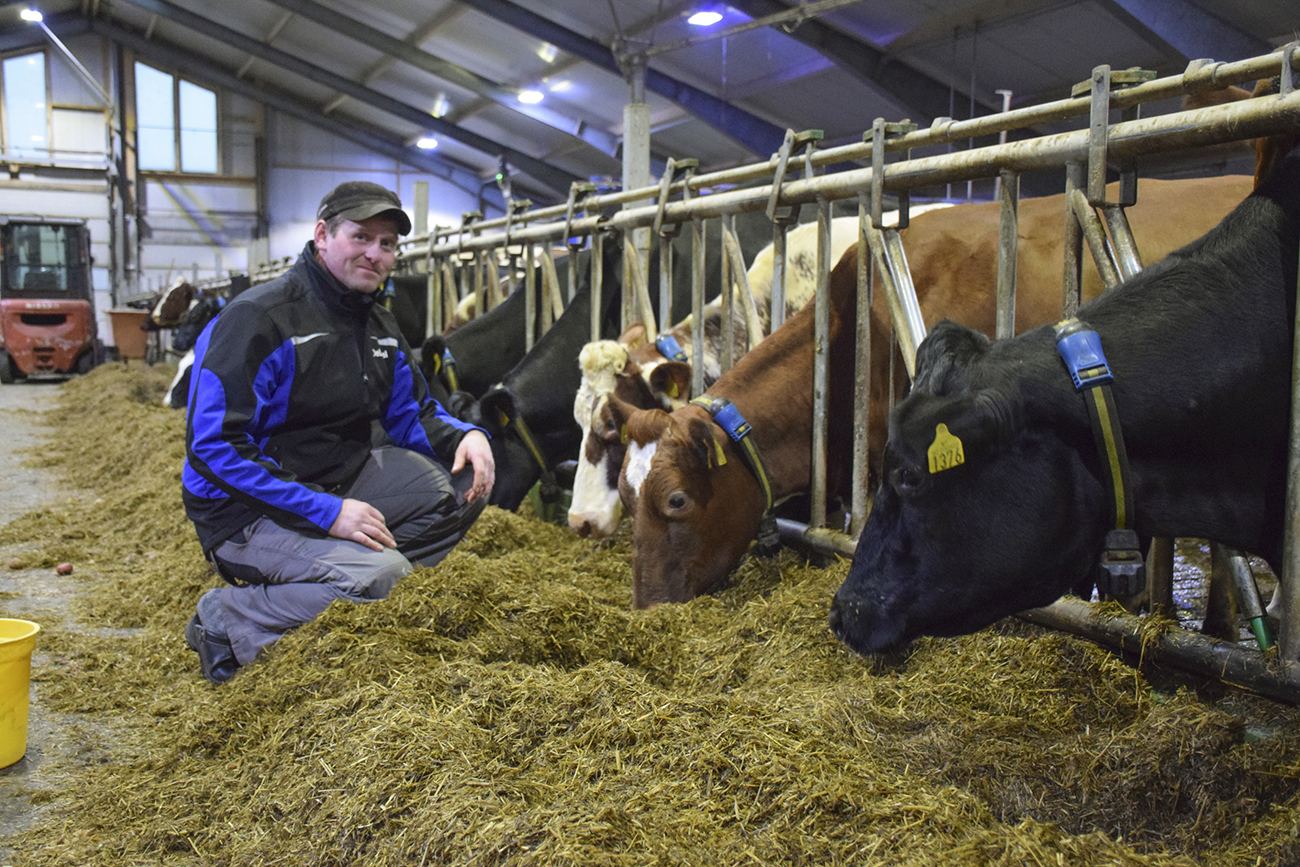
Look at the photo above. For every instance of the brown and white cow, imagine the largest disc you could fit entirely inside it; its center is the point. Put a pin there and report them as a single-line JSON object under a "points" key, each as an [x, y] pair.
{"points": [[619, 377], [695, 519]]}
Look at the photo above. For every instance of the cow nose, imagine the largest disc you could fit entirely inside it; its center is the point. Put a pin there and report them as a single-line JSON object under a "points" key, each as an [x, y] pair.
{"points": [[585, 530], [834, 620]]}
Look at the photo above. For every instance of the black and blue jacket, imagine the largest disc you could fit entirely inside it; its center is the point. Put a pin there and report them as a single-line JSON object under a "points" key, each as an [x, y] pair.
{"points": [[287, 385]]}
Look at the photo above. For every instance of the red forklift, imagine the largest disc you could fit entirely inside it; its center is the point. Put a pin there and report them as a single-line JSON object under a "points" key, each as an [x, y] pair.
{"points": [[47, 302]]}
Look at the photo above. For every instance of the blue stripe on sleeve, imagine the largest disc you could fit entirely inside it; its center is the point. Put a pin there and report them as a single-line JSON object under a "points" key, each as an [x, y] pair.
{"points": [[235, 471]]}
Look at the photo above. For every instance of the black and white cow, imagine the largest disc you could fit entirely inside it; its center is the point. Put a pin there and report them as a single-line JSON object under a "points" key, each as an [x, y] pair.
{"points": [[1200, 345]]}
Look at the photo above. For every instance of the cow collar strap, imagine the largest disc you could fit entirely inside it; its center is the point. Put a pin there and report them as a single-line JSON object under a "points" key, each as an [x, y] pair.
{"points": [[669, 348], [727, 417], [550, 488], [445, 365], [1121, 571]]}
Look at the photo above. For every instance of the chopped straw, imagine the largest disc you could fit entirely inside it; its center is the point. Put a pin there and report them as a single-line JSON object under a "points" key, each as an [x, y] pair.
{"points": [[508, 707]]}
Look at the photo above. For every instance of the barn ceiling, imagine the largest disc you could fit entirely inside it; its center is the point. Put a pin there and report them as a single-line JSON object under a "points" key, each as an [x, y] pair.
{"points": [[391, 72]]}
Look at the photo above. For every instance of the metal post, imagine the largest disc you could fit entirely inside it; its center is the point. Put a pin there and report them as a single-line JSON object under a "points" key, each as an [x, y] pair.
{"points": [[597, 281], [1095, 235], [821, 363], [1098, 130], [636, 176], [728, 298], [861, 486], [697, 307], [665, 281], [1073, 273], [530, 300], [777, 317], [1288, 587], [1009, 194], [421, 226]]}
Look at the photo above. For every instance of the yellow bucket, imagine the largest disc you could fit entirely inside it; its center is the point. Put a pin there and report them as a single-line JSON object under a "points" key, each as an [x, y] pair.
{"points": [[17, 641]]}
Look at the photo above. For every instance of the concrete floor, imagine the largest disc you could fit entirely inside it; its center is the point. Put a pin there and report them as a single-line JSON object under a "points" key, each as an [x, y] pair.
{"points": [[56, 742]]}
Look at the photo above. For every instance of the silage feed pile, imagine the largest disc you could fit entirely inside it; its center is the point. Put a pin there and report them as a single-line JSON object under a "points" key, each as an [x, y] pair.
{"points": [[508, 708]]}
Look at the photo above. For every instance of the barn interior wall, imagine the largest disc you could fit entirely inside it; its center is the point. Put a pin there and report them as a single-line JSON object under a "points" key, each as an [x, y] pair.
{"points": [[305, 162], [196, 225]]}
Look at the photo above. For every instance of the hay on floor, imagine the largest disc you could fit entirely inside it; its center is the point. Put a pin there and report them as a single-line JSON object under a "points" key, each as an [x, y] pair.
{"points": [[508, 708]]}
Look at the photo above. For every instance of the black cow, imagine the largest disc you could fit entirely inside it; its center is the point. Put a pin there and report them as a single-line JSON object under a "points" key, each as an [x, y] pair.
{"points": [[484, 349], [1200, 346]]}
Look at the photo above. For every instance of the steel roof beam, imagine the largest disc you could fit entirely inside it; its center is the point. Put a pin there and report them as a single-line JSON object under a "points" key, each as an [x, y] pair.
{"points": [[503, 95], [1188, 29], [555, 178], [924, 97], [751, 131]]}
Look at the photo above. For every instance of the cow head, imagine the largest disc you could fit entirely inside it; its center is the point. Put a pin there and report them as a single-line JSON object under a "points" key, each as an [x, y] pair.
{"points": [[960, 536], [614, 385], [695, 505]]}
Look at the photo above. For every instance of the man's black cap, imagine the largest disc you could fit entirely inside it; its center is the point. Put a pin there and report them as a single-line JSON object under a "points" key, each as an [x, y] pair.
{"points": [[361, 200]]}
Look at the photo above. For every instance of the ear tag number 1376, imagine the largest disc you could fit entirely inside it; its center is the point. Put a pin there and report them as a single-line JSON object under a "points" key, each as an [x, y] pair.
{"points": [[945, 452]]}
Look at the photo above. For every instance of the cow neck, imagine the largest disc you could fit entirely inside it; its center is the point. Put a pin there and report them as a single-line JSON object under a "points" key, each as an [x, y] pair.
{"points": [[1121, 571], [726, 416]]}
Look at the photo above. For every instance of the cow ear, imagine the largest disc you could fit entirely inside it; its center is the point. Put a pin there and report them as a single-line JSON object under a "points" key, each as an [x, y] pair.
{"points": [[943, 355], [646, 425], [671, 380], [634, 337], [705, 444]]}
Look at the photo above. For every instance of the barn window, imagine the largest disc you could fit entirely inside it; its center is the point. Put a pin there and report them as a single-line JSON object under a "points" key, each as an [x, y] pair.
{"points": [[176, 122], [26, 128]]}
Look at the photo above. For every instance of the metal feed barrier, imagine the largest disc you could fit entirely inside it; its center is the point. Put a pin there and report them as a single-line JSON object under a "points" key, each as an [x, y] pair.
{"points": [[682, 199]]}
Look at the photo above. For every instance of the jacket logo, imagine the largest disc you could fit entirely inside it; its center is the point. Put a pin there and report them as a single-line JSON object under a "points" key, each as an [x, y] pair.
{"points": [[381, 353]]}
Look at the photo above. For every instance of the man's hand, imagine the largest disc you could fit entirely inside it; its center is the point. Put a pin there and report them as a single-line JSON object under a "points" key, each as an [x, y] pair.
{"points": [[475, 449], [362, 523]]}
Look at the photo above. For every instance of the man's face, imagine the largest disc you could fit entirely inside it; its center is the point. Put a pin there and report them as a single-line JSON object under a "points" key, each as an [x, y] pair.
{"points": [[359, 255]]}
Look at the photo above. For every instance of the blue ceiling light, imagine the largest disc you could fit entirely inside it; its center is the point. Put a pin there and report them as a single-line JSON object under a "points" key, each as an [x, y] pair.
{"points": [[705, 18]]}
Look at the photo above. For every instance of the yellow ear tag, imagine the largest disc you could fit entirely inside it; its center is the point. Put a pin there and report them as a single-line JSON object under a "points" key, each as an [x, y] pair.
{"points": [[623, 434], [671, 391], [946, 451], [722, 458]]}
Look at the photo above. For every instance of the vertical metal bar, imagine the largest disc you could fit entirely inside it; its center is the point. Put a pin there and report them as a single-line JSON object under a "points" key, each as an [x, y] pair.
{"points": [[449, 294], [1098, 132], [697, 307], [432, 290], [1073, 273], [1124, 246], [777, 317], [1095, 235], [861, 486], [1248, 602], [1160, 575], [628, 314], [530, 301], [896, 279], [821, 363], [877, 172], [573, 271], [728, 298], [597, 281], [665, 282], [1009, 231], [1288, 587]]}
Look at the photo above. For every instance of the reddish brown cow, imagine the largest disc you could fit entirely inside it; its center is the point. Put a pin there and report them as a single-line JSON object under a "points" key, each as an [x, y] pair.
{"points": [[699, 505], [698, 515]]}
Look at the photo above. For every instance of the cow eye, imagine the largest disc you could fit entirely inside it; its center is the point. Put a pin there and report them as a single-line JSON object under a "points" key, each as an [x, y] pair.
{"points": [[906, 480], [677, 501]]}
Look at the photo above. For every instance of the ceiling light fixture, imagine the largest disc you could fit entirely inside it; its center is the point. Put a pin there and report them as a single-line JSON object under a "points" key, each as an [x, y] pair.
{"points": [[548, 52], [441, 105], [427, 143], [530, 97], [31, 15], [705, 18]]}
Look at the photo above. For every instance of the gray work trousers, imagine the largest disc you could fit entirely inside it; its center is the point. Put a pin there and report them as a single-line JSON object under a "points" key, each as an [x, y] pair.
{"points": [[289, 578]]}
